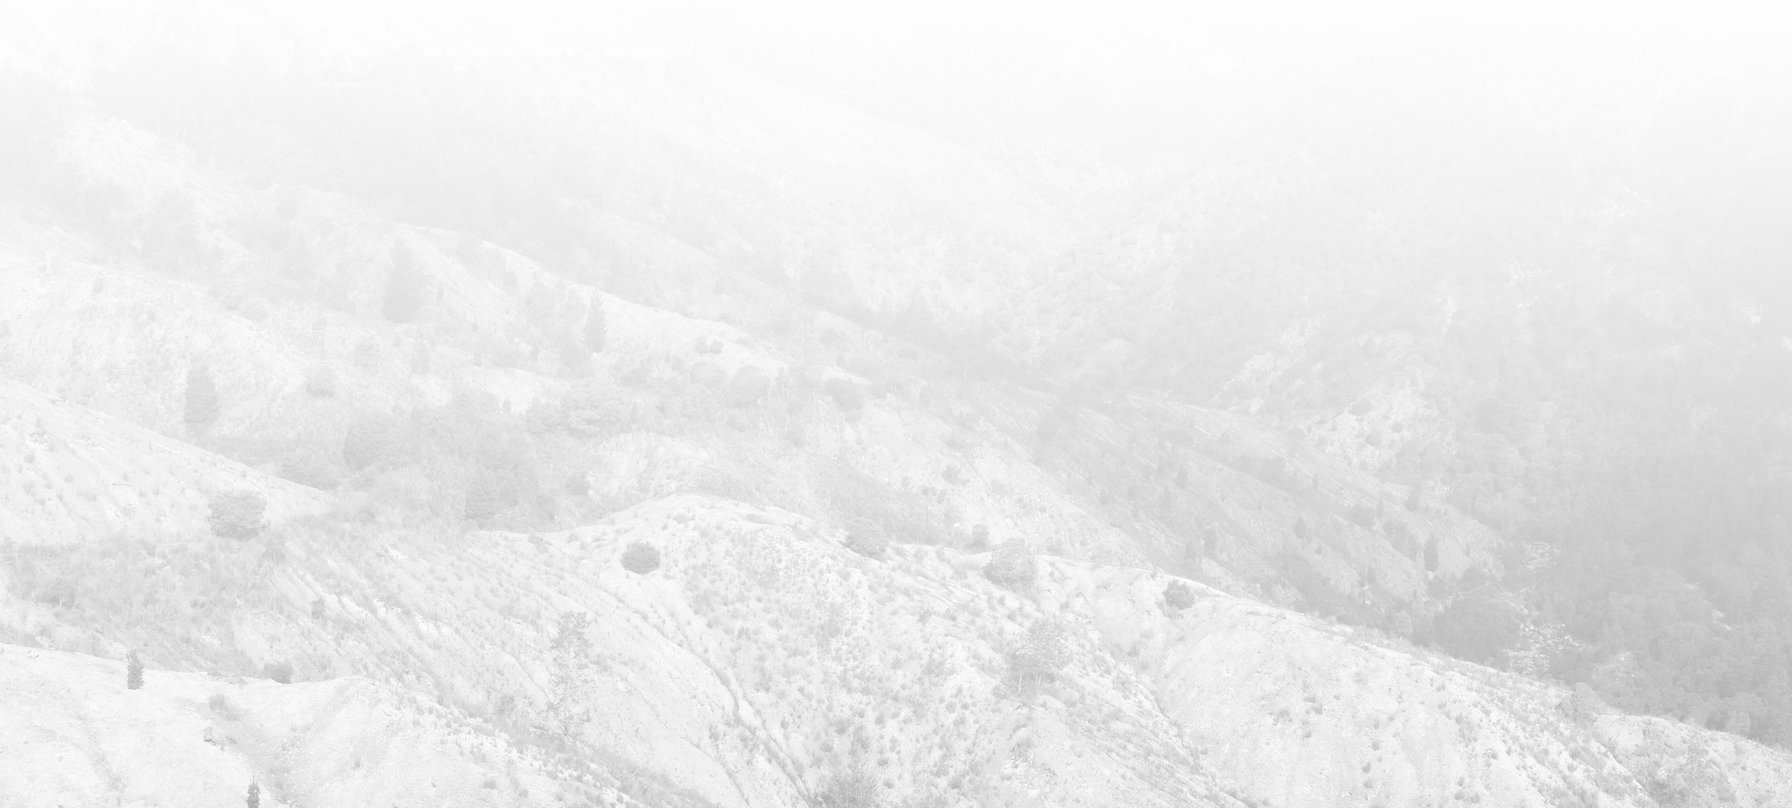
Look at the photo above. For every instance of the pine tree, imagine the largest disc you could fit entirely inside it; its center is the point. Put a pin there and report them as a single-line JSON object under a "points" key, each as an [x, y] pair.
{"points": [[404, 287], [597, 326], [573, 665], [133, 672], [483, 497], [254, 798], [202, 398]]}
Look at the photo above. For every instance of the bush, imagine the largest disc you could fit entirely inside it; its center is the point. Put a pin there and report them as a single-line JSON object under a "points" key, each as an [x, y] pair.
{"points": [[1012, 564], [641, 558], [867, 539], [854, 787], [1178, 596], [848, 396], [237, 514], [278, 671], [133, 672]]}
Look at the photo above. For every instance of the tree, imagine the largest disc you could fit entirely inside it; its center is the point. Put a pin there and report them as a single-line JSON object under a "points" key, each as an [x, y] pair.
{"points": [[1011, 564], [254, 798], [1178, 596], [372, 440], [572, 660], [237, 514], [404, 287], [133, 671], [278, 671], [1041, 654], [597, 326], [641, 558], [1479, 626], [202, 398], [483, 497], [867, 539]]}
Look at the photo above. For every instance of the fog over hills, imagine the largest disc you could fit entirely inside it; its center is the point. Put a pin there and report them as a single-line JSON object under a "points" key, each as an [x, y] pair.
{"points": [[937, 404]]}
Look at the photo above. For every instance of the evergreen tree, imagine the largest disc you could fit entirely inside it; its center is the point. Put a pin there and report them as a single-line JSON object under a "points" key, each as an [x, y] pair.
{"points": [[573, 666], [597, 326], [404, 287], [484, 500], [254, 798], [133, 672], [201, 399]]}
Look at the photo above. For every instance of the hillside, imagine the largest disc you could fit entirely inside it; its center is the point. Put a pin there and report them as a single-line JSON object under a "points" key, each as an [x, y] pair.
{"points": [[605, 408], [762, 661]]}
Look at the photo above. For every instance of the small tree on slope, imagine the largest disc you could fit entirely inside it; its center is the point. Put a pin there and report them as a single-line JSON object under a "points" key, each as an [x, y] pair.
{"points": [[133, 671], [1011, 564]]}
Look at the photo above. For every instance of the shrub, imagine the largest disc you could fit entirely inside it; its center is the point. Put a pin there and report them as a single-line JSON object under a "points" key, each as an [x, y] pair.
{"points": [[1012, 564], [1178, 596], [867, 539], [848, 396], [641, 558], [853, 787], [133, 672], [237, 514], [278, 671]]}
